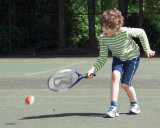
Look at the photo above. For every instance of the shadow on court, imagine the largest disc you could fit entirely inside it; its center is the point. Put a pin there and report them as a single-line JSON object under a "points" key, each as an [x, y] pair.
{"points": [[65, 115], [70, 115]]}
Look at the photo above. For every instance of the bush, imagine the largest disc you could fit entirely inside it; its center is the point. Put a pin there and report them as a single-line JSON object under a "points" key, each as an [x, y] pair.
{"points": [[151, 29]]}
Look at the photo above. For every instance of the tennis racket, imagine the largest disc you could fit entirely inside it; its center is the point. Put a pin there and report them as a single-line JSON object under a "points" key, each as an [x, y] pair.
{"points": [[64, 80]]}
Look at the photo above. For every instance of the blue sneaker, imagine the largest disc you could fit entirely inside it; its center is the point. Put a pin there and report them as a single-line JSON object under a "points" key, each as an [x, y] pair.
{"points": [[112, 112], [135, 109]]}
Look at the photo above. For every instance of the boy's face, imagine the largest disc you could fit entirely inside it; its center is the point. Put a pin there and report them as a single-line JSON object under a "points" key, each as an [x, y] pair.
{"points": [[109, 32]]}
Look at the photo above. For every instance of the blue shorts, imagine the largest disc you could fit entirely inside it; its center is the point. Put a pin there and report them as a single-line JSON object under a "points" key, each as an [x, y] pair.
{"points": [[126, 68]]}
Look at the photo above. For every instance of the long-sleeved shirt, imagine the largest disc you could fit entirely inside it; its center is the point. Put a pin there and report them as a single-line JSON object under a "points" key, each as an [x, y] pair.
{"points": [[121, 45]]}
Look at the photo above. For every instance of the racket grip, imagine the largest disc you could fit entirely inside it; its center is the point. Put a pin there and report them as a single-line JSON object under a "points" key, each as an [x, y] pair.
{"points": [[93, 74], [85, 76]]}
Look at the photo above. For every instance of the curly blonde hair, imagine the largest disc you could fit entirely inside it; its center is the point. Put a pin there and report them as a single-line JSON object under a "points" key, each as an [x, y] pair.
{"points": [[112, 18]]}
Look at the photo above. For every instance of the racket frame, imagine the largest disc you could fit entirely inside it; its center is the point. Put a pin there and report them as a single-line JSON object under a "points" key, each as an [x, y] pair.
{"points": [[80, 76]]}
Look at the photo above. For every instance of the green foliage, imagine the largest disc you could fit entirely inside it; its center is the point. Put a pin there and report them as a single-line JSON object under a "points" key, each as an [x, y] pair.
{"points": [[110, 4], [153, 6], [77, 24], [42, 34], [151, 29], [151, 20], [17, 39], [35, 24]]}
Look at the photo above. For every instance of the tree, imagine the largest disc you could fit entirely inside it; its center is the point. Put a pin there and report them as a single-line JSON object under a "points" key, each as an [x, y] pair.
{"points": [[91, 18], [140, 13], [123, 7], [62, 40]]}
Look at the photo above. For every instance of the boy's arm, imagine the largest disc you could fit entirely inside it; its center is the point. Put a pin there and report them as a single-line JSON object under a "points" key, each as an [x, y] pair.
{"points": [[150, 53], [140, 33], [101, 60]]}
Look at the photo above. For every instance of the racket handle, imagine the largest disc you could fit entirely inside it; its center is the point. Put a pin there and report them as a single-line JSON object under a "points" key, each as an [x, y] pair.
{"points": [[85, 75]]}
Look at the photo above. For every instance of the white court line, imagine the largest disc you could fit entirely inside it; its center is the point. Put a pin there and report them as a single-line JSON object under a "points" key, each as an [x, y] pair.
{"points": [[78, 96], [88, 89], [54, 69]]}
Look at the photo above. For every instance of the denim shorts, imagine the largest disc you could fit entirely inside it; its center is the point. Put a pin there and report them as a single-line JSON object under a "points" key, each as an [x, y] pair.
{"points": [[126, 68]]}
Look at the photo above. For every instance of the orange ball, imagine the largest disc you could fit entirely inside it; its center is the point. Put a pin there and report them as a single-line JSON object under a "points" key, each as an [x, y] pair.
{"points": [[29, 100]]}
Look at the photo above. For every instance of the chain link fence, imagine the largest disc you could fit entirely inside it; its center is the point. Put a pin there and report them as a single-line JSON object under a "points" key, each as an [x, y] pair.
{"points": [[34, 30]]}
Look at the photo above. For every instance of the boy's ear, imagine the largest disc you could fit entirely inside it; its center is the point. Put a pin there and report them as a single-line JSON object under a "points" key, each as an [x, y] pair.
{"points": [[117, 27]]}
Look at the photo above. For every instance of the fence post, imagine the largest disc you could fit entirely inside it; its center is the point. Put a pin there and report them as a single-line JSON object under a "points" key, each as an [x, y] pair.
{"points": [[101, 6], [10, 26]]}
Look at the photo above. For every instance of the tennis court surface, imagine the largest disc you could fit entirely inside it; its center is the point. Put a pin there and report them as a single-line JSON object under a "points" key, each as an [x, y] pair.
{"points": [[84, 105]]}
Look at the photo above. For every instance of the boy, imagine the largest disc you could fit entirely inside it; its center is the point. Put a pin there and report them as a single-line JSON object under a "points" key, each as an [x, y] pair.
{"points": [[125, 53]]}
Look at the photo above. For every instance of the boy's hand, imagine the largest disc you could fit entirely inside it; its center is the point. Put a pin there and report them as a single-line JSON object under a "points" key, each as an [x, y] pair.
{"points": [[150, 53], [91, 71]]}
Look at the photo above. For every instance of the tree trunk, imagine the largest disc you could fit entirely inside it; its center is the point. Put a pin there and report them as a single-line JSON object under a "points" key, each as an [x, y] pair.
{"points": [[62, 40], [91, 18], [123, 7], [140, 13]]}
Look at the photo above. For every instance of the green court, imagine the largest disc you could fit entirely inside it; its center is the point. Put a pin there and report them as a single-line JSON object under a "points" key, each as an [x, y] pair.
{"points": [[84, 105]]}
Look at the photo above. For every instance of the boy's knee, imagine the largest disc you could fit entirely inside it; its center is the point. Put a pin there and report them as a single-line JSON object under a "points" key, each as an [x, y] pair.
{"points": [[125, 86], [116, 75]]}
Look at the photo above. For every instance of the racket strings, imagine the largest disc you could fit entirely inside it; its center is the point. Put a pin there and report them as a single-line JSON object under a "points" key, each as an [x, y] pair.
{"points": [[63, 80]]}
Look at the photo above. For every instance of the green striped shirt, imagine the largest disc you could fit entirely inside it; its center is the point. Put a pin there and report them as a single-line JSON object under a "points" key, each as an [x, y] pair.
{"points": [[121, 45]]}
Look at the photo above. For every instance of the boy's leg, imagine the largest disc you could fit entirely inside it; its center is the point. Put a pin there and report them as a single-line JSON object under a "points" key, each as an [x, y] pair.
{"points": [[135, 109], [117, 70], [114, 89], [130, 92], [130, 68]]}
